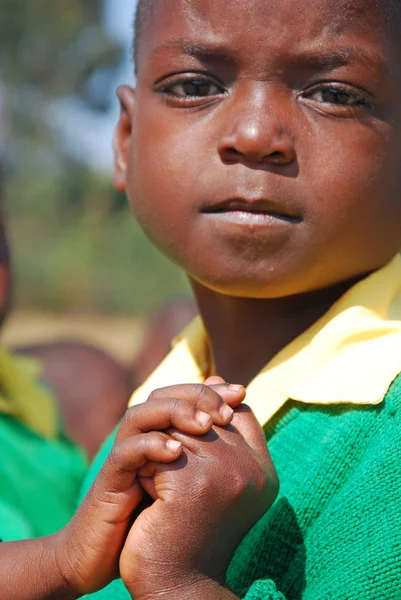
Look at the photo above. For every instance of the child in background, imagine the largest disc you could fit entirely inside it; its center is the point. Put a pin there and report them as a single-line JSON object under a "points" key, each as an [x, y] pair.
{"points": [[261, 152], [49, 415]]}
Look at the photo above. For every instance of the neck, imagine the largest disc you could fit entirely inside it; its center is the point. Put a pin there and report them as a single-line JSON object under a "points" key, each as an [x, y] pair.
{"points": [[245, 333]]}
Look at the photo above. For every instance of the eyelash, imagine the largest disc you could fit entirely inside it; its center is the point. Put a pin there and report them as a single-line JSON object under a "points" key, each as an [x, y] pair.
{"points": [[358, 101], [357, 97], [196, 79]]}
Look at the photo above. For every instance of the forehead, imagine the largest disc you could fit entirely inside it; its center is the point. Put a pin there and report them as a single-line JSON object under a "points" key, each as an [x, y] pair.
{"points": [[254, 27]]}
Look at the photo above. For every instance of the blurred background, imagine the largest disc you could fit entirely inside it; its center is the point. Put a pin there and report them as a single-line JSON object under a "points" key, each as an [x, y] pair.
{"points": [[81, 266]]}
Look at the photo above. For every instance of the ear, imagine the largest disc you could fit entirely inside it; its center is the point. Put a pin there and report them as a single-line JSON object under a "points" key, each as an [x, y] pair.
{"points": [[122, 135]]}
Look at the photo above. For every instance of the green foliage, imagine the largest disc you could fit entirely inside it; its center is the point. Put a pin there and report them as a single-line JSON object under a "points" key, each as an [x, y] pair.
{"points": [[85, 254], [75, 246], [40, 43]]}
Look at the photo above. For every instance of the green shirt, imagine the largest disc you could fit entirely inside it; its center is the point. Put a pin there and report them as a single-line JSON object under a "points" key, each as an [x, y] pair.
{"points": [[40, 481], [334, 532]]}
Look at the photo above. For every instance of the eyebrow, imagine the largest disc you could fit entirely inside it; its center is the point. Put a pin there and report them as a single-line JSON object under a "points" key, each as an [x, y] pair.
{"points": [[345, 56], [308, 59], [197, 49]]}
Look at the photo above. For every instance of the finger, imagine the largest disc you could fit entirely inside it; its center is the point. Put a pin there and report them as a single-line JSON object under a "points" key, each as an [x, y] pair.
{"points": [[244, 424], [129, 455], [215, 400], [163, 413], [231, 393], [213, 380], [115, 491], [147, 483], [148, 474]]}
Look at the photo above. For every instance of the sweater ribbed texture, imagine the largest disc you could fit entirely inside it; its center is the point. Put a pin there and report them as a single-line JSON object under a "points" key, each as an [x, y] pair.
{"points": [[334, 532]]}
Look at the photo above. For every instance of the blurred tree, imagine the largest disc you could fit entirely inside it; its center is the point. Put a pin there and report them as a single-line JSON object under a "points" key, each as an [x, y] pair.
{"points": [[53, 45], [48, 50], [75, 245]]}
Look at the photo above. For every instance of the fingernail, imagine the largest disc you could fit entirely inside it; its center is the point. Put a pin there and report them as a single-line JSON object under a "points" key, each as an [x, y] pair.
{"points": [[226, 412], [174, 446], [203, 418], [235, 388]]}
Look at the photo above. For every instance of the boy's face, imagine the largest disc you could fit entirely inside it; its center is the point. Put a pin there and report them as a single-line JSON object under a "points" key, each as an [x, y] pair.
{"points": [[261, 150]]}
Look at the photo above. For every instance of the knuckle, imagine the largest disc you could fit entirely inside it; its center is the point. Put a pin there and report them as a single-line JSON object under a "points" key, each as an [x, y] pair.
{"points": [[155, 439], [114, 457], [202, 482], [149, 441], [155, 395], [200, 393], [238, 483], [130, 415], [261, 478], [250, 474], [176, 406], [183, 410]]}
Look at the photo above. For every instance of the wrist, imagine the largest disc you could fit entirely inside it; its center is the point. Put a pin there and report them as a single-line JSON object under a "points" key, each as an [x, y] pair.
{"points": [[64, 580], [29, 569]]}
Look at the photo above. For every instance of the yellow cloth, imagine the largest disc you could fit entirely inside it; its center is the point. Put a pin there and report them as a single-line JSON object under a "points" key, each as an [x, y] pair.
{"points": [[23, 398], [350, 355]]}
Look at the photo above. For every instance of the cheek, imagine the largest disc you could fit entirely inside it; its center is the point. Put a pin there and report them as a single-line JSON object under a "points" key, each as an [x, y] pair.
{"points": [[354, 207], [167, 160], [155, 193], [357, 175]]}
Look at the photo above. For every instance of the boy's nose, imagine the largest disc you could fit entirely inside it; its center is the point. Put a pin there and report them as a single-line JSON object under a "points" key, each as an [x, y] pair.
{"points": [[257, 131]]}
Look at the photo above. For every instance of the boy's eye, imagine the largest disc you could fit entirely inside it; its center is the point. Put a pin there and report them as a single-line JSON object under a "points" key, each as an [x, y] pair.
{"points": [[337, 96], [191, 88], [333, 96]]}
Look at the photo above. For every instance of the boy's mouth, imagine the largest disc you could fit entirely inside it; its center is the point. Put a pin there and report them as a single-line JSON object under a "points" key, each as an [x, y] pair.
{"points": [[256, 211]]}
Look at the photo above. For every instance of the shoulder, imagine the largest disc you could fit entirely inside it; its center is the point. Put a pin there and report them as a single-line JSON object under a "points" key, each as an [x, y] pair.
{"points": [[392, 398], [90, 387], [75, 359]]}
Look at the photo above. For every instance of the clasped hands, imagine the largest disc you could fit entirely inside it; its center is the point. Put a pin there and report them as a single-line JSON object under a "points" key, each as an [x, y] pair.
{"points": [[201, 456]]}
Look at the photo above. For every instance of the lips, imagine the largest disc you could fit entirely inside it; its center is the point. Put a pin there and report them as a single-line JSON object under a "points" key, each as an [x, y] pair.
{"points": [[255, 207]]}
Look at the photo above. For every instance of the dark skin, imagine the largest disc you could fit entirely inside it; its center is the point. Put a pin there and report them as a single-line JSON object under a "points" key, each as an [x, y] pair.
{"points": [[91, 550], [85, 556], [279, 119], [264, 160], [274, 194]]}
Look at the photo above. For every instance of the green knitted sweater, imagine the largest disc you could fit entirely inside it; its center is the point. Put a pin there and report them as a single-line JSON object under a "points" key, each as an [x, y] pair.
{"points": [[334, 532]]}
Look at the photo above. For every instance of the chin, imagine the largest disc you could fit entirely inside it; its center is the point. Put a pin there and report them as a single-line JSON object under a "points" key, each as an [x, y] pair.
{"points": [[250, 287]]}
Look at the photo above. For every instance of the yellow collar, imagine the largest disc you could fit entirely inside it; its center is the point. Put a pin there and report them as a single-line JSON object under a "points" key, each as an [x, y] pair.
{"points": [[23, 397], [350, 355]]}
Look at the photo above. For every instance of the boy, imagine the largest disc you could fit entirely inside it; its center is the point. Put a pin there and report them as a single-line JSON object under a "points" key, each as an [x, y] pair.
{"points": [[260, 151]]}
